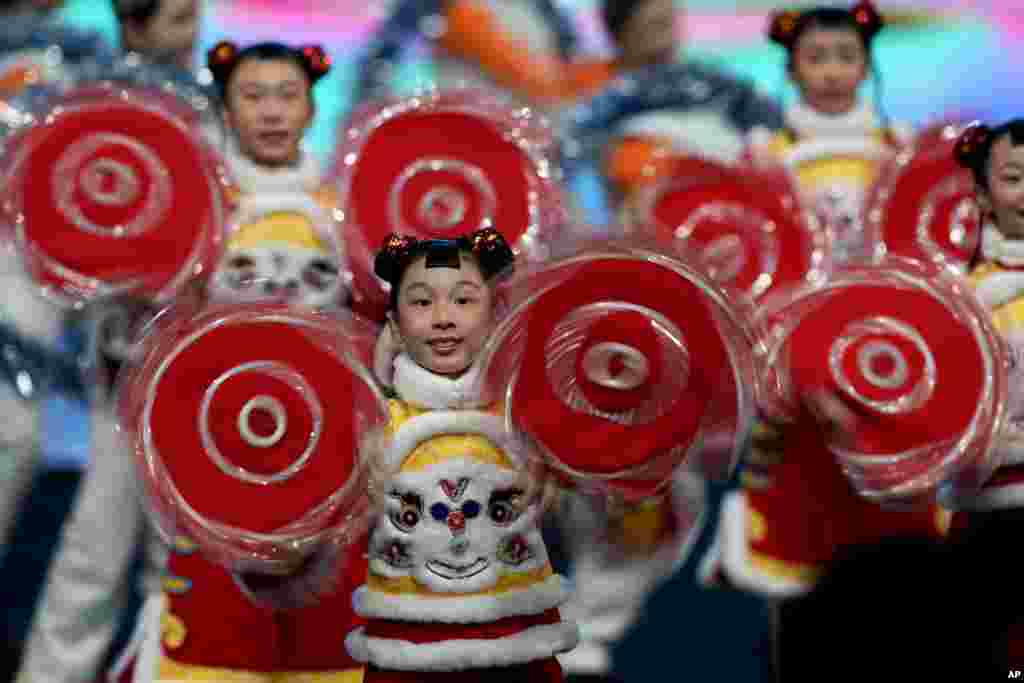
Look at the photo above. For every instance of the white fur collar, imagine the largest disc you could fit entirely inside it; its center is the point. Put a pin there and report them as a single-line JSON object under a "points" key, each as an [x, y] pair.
{"points": [[462, 609], [809, 123], [529, 645], [1004, 251], [421, 387], [253, 178]]}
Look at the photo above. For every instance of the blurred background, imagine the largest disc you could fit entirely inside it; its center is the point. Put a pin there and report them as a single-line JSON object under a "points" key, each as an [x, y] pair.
{"points": [[942, 58]]}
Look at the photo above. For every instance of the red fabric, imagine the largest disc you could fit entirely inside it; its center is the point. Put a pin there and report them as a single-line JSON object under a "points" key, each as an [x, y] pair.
{"points": [[435, 633], [594, 445], [156, 255], [902, 193], [405, 139], [697, 184], [955, 398], [225, 629], [810, 511], [541, 671], [176, 436]]}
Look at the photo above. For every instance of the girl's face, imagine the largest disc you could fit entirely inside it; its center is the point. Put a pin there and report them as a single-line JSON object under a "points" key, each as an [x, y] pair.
{"points": [[169, 35], [269, 106], [444, 314], [1004, 199], [649, 35], [828, 65]]}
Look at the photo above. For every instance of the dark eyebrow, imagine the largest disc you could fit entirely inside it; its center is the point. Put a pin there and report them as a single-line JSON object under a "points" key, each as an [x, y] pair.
{"points": [[468, 283]]}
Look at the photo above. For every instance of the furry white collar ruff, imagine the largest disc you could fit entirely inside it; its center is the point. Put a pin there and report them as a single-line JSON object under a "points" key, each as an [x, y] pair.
{"points": [[253, 178], [809, 123], [416, 385]]}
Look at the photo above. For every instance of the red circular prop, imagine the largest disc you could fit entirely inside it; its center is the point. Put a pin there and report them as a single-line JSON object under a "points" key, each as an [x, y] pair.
{"points": [[924, 207], [113, 192], [617, 383], [440, 165], [910, 351], [249, 423], [749, 232]]}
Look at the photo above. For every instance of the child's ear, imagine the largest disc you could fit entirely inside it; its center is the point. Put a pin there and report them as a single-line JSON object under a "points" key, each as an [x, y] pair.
{"points": [[984, 203]]}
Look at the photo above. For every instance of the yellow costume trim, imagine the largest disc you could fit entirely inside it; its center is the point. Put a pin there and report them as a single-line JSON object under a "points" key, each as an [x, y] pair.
{"points": [[285, 226], [173, 672], [441, 448], [943, 520], [825, 171], [1009, 316], [407, 585], [172, 631], [801, 573], [757, 527]]}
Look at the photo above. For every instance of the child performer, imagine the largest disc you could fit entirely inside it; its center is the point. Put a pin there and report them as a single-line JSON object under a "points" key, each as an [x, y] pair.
{"points": [[833, 139], [459, 585]]}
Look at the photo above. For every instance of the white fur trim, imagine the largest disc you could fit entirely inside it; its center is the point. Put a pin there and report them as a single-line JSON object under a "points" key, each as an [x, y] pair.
{"points": [[147, 658], [421, 387], [529, 645], [255, 179], [23, 304], [385, 351], [735, 554], [420, 428], [995, 498], [587, 658], [818, 148], [997, 289], [461, 609], [996, 247], [705, 134], [806, 122]]}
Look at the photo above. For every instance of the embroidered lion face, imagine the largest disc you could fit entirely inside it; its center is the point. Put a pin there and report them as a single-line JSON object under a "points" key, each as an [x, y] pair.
{"points": [[280, 273], [457, 526]]}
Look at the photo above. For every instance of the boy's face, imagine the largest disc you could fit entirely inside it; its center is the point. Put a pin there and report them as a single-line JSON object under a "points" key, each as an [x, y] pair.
{"points": [[649, 35]]}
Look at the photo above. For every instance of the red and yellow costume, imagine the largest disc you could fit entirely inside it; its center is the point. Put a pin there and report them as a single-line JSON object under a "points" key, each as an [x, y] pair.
{"points": [[459, 586]]}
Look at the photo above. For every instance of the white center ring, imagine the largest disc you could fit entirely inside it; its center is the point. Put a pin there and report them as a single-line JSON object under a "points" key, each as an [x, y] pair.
{"points": [[877, 349], [276, 410], [125, 183], [597, 366]]}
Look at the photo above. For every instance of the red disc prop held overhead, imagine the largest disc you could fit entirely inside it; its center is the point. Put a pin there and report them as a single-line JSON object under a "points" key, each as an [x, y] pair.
{"points": [[114, 192], [923, 207], [617, 383], [249, 423], [908, 349], [748, 231], [440, 165]]}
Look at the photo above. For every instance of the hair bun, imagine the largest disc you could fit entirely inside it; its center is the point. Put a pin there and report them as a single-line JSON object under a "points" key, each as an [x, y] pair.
{"points": [[782, 28], [221, 59], [867, 18], [491, 250], [317, 60], [387, 263], [970, 146]]}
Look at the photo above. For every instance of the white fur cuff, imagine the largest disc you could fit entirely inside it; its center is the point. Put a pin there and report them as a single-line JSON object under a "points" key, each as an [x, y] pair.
{"points": [[530, 645], [478, 609]]}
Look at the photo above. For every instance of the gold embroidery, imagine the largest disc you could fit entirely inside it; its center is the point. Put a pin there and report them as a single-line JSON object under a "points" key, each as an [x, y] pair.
{"points": [[173, 672], [406, 585], [803, 573], [754, 480], [172, 631], [348, 676], [943, 520], [757, 528]]}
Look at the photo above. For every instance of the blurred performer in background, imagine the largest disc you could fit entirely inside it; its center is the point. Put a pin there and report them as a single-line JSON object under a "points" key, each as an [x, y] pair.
{"points": [[34, 50], [267, 90], [162, 30], [834, 140], [525, 47], [35, 47], [654, 107]]}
